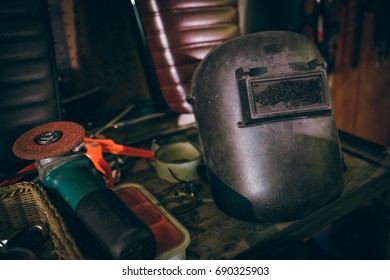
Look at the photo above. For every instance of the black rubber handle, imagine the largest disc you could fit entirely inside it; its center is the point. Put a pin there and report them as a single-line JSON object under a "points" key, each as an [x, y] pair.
{"points": [[115, 226]]}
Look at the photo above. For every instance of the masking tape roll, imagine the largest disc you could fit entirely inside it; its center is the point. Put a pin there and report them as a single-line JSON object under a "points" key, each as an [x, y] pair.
{"points": [[178, 161]]}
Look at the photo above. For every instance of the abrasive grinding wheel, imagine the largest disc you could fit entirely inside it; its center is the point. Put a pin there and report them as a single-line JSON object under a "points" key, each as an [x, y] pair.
{"points": [[48, 140]]}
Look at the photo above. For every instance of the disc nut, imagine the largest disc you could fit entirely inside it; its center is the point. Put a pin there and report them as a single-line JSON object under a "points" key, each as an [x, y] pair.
{"points": [[48, 137]]}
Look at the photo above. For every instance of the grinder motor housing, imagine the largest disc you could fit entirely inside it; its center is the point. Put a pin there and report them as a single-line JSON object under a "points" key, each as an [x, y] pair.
{"points": [[270, 144]]}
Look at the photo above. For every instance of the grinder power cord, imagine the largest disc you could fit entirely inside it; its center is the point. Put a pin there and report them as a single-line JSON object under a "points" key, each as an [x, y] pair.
{"points": [[73, 175]]}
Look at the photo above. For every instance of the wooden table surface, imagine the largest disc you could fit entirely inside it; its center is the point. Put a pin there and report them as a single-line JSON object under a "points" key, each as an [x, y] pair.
{"points": [[215, 235]]}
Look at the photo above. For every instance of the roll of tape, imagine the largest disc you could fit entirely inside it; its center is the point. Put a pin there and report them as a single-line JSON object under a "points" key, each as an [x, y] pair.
{"points": [[178, 161]]}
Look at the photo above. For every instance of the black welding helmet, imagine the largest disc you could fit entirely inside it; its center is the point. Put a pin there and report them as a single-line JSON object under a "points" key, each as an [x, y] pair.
{"points": [[270, 144]]}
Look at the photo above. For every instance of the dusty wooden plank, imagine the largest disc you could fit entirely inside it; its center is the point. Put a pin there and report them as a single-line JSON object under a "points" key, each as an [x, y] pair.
{"points": [[215, 235]]}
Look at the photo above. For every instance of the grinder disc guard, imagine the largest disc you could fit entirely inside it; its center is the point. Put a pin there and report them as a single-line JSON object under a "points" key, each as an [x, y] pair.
{"points": [[263, 110], [48, 140]]}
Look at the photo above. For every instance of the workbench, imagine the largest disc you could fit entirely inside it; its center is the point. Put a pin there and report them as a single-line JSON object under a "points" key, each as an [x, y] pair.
{"points": [[215, 235]]}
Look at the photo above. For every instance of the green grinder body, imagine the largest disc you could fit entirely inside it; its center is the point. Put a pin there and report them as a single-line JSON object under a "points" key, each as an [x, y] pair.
{"points": [[114, 226]]}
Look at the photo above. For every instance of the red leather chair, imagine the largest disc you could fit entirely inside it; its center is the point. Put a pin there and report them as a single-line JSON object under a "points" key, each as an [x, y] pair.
{"points": [[179, 35]]}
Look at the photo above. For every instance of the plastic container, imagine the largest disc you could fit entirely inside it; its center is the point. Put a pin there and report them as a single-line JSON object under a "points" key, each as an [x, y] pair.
{"points": [[172, 238]]}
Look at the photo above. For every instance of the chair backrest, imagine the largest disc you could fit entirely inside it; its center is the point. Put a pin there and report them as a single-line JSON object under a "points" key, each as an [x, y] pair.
{"points": [[28, 80], [179, 35]]}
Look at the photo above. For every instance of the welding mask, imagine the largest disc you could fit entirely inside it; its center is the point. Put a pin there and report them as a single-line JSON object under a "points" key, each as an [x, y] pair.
{"points": [[270, 144]]}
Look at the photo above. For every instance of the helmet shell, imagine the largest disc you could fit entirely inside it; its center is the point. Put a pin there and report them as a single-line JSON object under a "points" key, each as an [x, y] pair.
{"points": [[269, 139]]}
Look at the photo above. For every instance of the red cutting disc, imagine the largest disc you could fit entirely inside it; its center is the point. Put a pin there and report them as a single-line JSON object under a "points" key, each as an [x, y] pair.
{"points": [[48, 140]]}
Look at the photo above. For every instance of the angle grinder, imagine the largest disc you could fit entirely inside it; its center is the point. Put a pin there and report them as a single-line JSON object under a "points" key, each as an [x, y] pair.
{"points": [[73, 175]]}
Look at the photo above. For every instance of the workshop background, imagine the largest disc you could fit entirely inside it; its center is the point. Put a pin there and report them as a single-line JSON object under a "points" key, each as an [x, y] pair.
{"points": [[104, 65], [100, 65]]}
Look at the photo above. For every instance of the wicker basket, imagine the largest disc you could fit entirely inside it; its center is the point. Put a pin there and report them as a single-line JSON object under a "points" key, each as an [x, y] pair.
{"points": [[27, 203]]}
